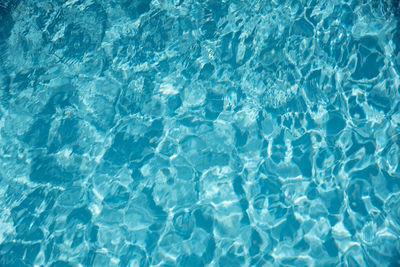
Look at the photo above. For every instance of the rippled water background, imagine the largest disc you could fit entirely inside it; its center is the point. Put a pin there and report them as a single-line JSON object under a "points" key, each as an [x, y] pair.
{"points": [[199, 133]]}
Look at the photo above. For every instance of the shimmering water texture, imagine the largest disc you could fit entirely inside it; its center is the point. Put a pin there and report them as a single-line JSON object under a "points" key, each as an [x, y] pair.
{"points": [[199, 133]]}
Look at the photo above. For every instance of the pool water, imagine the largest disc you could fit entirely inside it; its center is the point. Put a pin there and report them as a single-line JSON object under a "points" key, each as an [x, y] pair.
{"points": [[199, 133]]}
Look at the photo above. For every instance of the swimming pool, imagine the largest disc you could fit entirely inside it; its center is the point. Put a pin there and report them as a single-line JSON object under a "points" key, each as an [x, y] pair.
{"points": [[199, 133]]}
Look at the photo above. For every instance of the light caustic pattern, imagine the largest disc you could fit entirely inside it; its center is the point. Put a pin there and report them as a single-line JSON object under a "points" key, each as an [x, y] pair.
{"points": [[199, 133]]}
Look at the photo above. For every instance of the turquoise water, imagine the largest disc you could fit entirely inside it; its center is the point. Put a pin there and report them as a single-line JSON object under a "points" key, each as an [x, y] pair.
{"points": [[199, 133]]}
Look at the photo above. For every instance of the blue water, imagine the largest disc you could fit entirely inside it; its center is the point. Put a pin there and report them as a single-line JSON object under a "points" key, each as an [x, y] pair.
{"points": [[199, 133]]}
